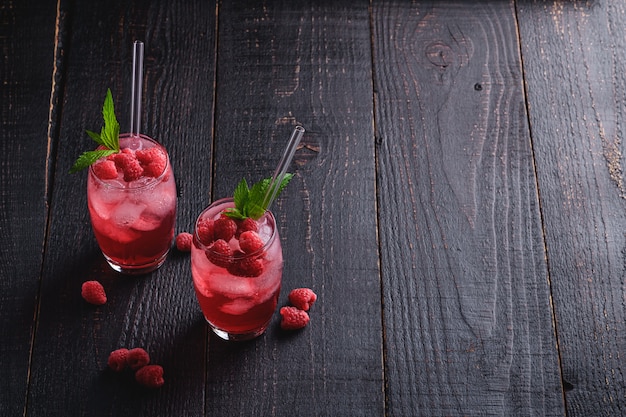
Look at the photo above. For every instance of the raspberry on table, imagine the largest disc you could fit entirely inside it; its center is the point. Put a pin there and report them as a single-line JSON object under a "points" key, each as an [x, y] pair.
{"points": [[137, 358], [302, 298], [250, 242], [150, 376], [220, 253], [127, 162], [93, 293], [224, 228], [293, 318], [183, 242], [153, 161], [246, 267], [246, 225], [204, 230], [118, 359], [105, 169]]}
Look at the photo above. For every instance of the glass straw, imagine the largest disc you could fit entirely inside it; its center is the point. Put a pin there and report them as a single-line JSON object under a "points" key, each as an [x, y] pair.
{"points": [[281, 169], [137, 86]]}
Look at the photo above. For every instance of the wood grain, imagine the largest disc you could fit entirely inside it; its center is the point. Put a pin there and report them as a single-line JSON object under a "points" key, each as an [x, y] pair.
{"points": [[27, 70], [158, 311], [458, 205], [574, 55], [280, 64], [467, 308]]}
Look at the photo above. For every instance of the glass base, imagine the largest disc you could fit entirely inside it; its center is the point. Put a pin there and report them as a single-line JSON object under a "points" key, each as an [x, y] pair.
{"points": [[237, 337], [136, 269]]}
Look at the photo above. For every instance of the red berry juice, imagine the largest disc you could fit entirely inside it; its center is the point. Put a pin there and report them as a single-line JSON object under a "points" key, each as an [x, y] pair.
{"points": [[239, 296], [133, 220]]}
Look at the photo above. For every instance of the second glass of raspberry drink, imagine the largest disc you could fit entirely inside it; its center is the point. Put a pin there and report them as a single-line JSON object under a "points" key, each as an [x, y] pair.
{"points": [[237, 269], [236, 256]]}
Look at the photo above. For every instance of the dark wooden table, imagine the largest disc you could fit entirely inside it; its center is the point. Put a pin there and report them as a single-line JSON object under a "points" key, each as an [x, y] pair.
{"points": [[458, 205]]}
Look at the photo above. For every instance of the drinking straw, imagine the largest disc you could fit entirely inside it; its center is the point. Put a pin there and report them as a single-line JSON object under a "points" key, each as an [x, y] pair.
{"points": [[281, 169], [137, 86]]}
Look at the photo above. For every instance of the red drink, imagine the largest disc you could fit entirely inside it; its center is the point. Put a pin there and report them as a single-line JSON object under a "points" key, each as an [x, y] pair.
{"points": [[133, 214], [237, 288]]}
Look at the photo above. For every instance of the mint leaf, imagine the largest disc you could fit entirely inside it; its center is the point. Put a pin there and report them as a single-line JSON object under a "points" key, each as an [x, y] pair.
{"points": [[109, 137], [249, 202], [96, 137], [258, 190], [88, 158], [255, 210], [284, 183], [111, 131], [266, 184], [234, 213], [240, 196]]}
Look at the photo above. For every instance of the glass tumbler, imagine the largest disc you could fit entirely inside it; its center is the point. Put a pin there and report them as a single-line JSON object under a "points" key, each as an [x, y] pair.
{"points": [[237, 284], [132, 205]]}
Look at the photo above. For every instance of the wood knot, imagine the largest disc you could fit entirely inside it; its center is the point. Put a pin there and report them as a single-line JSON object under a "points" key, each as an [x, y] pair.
{"points": [[307, 150], [440, 54]]}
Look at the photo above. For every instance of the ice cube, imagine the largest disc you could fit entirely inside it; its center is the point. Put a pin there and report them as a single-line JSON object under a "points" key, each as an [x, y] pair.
{"points": [[161, 204], [140, 182], [103, 202], [127, 213], [203, 289], [124, 236], [146, 222], [238, 306], [232, 287], [265, 232]]}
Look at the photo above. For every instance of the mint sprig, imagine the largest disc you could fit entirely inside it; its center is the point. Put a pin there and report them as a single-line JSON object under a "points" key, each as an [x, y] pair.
{"points": [[249, 202], [109, 137]]}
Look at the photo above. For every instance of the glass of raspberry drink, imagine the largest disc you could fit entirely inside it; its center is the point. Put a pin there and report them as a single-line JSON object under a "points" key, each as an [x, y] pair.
{"points": [[132, 204], [237, 267]]}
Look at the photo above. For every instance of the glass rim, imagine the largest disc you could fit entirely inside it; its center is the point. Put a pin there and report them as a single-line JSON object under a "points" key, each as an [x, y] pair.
{"points": [[150, 183], [223, 201]]}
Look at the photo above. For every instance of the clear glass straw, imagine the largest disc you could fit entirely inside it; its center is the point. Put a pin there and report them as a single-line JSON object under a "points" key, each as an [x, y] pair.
{"points": [[137, 86], [281, 169]]}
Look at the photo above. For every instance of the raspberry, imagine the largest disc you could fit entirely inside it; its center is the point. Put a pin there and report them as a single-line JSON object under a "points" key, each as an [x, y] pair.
{"points": [[150, 155], [293, 318], [246, 267], [204, 230], [250, 242], [246, 225], [153, 170], [220, 253], [118, 359], [153, 161], [302, 298], [150, 376], [93, 293], [183, 242], [130, 166], [224, 228], [105, 170], [137, 358]]}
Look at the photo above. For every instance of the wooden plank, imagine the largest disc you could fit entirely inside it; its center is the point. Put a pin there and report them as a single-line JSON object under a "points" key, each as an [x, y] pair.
{"points": [[574, 55], [467, 310], [283, 63], [157, 311], [26, 78]]}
